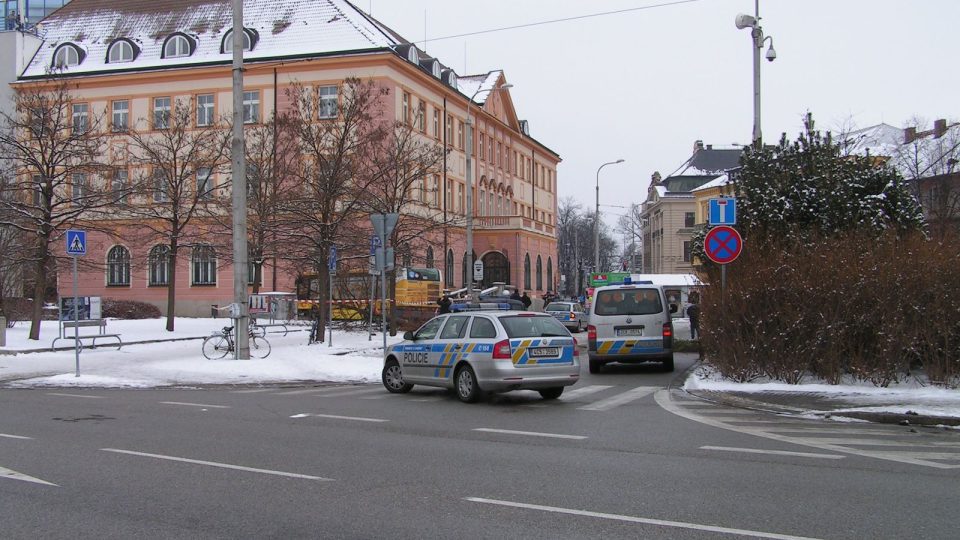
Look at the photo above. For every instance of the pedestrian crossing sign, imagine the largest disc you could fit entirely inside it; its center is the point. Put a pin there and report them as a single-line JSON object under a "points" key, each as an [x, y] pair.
{"points": [[76, 243]]}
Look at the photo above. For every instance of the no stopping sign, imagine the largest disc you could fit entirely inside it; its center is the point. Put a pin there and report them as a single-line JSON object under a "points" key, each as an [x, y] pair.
{"points": [[722, 244]]}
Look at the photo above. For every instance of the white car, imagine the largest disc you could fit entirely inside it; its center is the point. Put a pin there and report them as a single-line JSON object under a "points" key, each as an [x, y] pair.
{"points": [[630, 323], [570, 314]]}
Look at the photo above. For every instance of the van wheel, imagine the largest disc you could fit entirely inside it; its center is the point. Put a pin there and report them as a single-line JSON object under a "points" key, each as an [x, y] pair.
{"points": [[595, 366], [668, 364], [468, 391], [551, 393], [392, 378]]}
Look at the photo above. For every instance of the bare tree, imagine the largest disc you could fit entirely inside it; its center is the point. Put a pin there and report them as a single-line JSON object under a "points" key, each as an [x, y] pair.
{"points": [[326, 211], [174, 190], [53, 144], [929, 162], [630, 226]]}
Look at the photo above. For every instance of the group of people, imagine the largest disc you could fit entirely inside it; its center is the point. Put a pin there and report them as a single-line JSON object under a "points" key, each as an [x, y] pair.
{"points": [[444, 301]]}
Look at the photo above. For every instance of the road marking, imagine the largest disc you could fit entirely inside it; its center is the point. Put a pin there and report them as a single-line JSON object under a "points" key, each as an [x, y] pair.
{"points": [[73, 395], [382, 396], [14, 475], [633, 519], [871, 442], [620, 399], [216, 464], [195, 405], [337, 417], [354, 392], [254, 391], [774, 452], [310, 391], [531, 433], [15, 436], [585, 391]]}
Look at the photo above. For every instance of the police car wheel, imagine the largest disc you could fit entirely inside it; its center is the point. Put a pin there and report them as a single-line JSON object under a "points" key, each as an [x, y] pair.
{"points": [[392, 378], [595, 366], [468, 391], [551, 393]]}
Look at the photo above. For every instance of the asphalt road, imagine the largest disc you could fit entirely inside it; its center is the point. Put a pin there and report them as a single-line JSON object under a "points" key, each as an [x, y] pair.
{"points": [[618, 456]]}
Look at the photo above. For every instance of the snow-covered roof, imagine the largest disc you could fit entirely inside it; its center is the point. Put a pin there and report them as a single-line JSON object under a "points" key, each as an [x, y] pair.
{"points": [[719, 181], [281, 28], [481, 85], [878, 140]]}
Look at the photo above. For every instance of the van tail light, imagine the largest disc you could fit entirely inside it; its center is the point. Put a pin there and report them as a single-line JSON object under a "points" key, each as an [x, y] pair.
{"points": [[591, 332], [502, 351], [576, 349], [667, 330]]}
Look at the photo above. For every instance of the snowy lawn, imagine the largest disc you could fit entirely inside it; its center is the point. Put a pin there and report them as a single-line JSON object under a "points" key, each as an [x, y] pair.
{"points": [[180, 363]]}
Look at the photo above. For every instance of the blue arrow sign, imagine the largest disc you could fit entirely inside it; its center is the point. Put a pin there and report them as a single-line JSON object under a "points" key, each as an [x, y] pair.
{"points": [[374, 244], [76, 243], [723, 211], [332, 260]]}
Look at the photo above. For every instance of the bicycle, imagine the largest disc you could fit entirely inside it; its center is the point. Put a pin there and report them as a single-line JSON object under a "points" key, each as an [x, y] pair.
{"points": [[220, 343]]}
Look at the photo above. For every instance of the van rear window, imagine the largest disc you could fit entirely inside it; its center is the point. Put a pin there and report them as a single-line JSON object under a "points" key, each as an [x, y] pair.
{"points": [[628, 302], [539, 326]]}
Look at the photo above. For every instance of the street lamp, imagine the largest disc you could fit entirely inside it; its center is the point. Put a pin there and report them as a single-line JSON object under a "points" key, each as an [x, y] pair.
{"points": [[596, 220], [746, 21], [469, 151]]}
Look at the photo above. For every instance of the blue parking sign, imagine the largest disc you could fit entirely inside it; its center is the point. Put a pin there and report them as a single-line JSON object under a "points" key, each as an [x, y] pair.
{"points": [[723, 211], [76, 243]]}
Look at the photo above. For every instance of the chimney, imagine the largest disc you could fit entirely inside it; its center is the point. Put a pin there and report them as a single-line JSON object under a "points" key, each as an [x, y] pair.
{"points": [[909, 135], [939, 128], [709, 147], [697, 146]]}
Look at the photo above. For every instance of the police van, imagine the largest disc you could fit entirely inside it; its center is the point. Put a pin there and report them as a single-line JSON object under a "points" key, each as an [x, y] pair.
{"points": [[485, 351], [630, 323]]}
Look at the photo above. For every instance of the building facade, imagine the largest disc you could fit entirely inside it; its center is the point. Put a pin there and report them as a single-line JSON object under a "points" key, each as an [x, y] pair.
{"points": [[24, 14], [136, 58]]}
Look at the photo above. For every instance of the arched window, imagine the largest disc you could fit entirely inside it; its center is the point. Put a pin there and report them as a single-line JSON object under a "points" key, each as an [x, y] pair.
{"points": [[159, 262], [490, 203], [526, 271], [178, 45], [483, 203], [121, 50], [67, 55], [500, 205], [430, 263], [539, 273], [448, 273], [118, 266], [463, 271], [406, 256], [249, 41], [203, 262], [550, 274]]}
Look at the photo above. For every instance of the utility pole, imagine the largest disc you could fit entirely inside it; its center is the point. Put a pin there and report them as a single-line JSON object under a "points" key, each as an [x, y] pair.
{"points": [[239, 195]]}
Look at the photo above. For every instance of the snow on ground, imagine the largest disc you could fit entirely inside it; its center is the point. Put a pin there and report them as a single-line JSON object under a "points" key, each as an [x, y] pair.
{"points": [[353, 358]]}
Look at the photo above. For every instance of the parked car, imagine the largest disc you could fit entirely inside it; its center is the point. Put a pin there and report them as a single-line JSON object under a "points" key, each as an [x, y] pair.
{"points": [[485, 351], [570, 314], [630, 323]]}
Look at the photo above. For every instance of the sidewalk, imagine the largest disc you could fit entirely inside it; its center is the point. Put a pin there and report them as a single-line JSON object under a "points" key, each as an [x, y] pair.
{"points": [[908, 403]]}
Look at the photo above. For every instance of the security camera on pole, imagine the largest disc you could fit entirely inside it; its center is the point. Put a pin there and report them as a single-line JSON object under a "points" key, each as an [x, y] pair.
{"points": [[746, 21], [383, 225]]}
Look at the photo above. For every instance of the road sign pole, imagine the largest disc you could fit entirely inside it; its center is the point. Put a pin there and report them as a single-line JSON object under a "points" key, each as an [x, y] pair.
{"points": [[723, 285], [76, 319]]}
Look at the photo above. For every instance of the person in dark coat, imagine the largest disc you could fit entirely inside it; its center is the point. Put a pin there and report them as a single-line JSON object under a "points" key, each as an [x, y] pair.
{"points": [[444, 303], [516, 295], [693, 313], [526, 300]]}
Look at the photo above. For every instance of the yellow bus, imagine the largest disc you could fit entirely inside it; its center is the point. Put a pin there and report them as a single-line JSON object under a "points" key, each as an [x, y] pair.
{"points": [[418, 286]]}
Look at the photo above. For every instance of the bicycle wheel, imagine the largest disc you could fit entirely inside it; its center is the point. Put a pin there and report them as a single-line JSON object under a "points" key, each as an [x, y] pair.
{"points": [[258, 331], [259, 347], [215, 347]]}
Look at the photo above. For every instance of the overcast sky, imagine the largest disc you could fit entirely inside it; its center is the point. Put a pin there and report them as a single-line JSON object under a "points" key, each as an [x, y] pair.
{"points": [[644, 85]]}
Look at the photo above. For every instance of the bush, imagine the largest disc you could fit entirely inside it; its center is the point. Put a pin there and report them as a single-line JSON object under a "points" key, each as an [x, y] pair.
{"points": [[129, 309], [859, 305]]}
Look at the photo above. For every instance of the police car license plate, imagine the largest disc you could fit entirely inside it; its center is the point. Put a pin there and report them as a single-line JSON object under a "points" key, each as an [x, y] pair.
{"points": [[544, 351], [629, 331]]}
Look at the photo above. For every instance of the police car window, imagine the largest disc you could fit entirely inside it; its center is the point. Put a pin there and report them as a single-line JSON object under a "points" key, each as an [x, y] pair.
{"points": [[482, 328], [517, 327], [455, 328], [429, 330], [628, 302], [558, 307]]}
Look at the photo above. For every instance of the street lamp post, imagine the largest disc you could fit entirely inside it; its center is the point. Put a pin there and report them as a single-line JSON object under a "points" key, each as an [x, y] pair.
{"points": [[469, 151], [746, 21], [596, 220]]}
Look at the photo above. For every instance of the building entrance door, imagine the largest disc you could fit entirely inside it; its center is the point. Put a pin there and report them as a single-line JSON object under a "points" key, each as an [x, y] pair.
{"points": [[496, 268]]}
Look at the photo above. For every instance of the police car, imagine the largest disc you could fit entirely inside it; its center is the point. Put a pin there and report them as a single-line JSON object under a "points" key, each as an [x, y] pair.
{"points": [[570, 314], [630, 323], [485, 351]]}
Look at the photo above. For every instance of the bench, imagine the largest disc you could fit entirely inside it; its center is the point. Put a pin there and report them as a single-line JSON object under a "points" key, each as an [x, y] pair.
{"points": [[101, 325]]}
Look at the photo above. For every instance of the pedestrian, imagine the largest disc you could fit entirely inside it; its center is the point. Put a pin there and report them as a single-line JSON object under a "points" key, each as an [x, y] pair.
{"points": [[526, 300], [693, 313], [444, 303], [516, 295]]}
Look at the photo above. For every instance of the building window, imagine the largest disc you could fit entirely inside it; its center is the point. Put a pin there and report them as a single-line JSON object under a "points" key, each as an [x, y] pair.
{"points": [[435, 190], [120, 51], [204, 184], [499, 154], [406, 108], [203, 262], [118, 267], [249, 41], [689, 218], [483, 153], [79, 184], [159, 263], [465, 274], [436, 123], [421, 116], [120, 120], [81, 118], [205, 110], [461, 206], [449, 139], [429, 258], [539, 273], [686, 251], [161, 185], [329, 104], [448, 274], [526, 271], [176, 46], [161, 113], [66, 56], [118, 185], [251, 107], [483, 203], [254, 263], [549, 274], [460, 143]]}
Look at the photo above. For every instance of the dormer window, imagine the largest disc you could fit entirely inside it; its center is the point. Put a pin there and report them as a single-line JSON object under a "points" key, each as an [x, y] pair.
{"points": [[413, 56], [177, 46], [249, 41], [450, 78], [67, 55], [435, 70], [121, 50]]}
